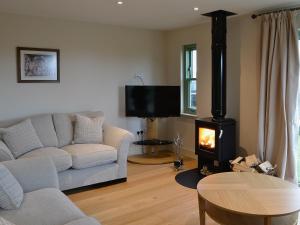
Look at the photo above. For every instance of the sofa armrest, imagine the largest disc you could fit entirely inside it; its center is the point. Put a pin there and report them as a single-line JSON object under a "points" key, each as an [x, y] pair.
{"points": [[121, 140], [34, 173], [115, 136]]}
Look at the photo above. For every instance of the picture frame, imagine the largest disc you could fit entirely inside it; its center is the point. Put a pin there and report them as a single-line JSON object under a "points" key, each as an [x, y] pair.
{"points": [[38, 65]]}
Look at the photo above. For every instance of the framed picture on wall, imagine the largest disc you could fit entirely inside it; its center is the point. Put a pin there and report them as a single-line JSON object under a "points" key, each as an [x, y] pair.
{"points": [[37, 65]]}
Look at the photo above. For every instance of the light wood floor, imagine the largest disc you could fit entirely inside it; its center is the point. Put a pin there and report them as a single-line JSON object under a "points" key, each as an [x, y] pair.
{"points": [[151, 196]]}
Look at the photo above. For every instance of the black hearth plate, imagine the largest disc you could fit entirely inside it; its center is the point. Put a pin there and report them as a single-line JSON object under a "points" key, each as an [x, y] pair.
{"points": [[189, 178]]}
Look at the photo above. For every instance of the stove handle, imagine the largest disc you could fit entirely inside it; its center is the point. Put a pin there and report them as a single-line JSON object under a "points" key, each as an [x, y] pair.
{"points": [[221, 134]]}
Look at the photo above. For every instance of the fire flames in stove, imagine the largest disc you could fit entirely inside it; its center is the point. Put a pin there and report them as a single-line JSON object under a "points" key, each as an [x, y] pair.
{"points": [[206, 138]]}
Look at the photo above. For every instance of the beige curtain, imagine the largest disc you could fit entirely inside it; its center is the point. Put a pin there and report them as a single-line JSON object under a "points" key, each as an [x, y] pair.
{"points": [[278, 93]]}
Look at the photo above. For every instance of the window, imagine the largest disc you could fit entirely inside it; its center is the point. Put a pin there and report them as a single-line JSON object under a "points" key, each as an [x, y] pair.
{"points": [[189, 79]]}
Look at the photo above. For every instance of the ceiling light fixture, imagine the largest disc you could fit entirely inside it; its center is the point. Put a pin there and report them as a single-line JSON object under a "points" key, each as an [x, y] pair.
{"points": [[120, 3], [196, 9]]}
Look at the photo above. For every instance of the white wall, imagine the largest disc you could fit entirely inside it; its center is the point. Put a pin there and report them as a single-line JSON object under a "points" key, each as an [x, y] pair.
{"points": [[96, 62], [249, 83]]}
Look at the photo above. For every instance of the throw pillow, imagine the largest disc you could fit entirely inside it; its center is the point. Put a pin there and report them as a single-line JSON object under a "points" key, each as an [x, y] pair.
{"points": [[11, 192], [5, 153], [88, 130], [21, 138], [5, 222]]}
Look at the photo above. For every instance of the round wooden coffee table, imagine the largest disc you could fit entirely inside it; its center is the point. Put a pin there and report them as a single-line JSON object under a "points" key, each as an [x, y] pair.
{"points": [[248, 199]]}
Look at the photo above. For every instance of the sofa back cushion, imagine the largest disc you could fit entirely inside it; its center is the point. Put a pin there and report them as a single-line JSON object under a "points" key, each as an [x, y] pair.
{"points": [[5, 153], [21, 138], [44, 128], [64, 129], [88, 130], [11, 192]]}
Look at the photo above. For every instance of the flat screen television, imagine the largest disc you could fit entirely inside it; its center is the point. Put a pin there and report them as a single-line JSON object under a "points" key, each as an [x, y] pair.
{"points": [[152, 101]]}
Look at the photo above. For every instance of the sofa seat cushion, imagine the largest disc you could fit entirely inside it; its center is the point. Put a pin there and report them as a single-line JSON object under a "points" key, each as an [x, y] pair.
{"points": [[61, 158], [47, 206], [89, 155], [84, 221]]}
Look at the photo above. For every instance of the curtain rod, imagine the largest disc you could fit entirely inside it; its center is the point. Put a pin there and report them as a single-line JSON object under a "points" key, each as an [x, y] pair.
{"points": [[254, 16]]}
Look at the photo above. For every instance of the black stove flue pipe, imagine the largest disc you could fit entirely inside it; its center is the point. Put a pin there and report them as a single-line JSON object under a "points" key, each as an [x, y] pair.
{"points": [[218, 46]]}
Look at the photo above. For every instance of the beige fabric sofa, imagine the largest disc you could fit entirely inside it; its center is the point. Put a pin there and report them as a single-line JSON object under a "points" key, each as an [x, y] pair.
{"points": [[79, 164], [43, 202]]}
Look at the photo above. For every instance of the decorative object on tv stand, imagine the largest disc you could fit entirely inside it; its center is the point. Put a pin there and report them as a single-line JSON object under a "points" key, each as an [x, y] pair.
{"points": [[178, 163], [37, 65]]}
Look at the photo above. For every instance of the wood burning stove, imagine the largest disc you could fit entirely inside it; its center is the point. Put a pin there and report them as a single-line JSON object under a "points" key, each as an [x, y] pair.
{"points": [[215, 143], [215, 138]]}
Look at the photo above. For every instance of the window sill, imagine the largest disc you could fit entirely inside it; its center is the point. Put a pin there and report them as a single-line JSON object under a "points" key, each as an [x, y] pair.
{"points": [[188, 116]]}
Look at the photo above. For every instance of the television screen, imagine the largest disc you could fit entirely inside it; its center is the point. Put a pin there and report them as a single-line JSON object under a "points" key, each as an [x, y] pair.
{"points": [[152, 101]]}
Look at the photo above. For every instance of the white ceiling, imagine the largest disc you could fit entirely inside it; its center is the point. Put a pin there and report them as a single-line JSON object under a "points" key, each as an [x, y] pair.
{"points": [[150, 14]]}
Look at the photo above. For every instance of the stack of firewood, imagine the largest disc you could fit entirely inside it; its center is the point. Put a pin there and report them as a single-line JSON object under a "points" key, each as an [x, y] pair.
{"points": [[252, 164]]}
